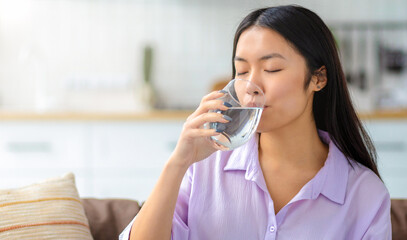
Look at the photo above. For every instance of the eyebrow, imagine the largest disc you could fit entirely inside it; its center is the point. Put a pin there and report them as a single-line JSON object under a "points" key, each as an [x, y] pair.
{"points": [[266, 57]]}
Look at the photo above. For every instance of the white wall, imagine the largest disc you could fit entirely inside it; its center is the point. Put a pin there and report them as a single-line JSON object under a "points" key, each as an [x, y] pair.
{"points": [[52, 49]]}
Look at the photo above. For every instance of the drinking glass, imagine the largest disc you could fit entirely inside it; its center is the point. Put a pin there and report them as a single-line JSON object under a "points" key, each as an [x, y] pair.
{"points": [[247, 102]]}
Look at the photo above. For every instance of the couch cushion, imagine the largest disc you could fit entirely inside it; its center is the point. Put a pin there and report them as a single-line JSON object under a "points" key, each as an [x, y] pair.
{"points": [[47, 210], [399, 218], [108, 217]]}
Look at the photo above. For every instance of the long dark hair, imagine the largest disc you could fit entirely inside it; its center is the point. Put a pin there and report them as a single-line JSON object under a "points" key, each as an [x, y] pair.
{"points": [[332, 107]]}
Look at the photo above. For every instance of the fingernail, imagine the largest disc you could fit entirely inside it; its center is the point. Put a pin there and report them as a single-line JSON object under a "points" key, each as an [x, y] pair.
{"points": [[222, 91], [227, 104], [227, 118]]}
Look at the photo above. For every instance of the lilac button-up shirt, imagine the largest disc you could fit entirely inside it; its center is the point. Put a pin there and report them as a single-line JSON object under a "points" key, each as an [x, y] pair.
{"points": [[225, 197]]}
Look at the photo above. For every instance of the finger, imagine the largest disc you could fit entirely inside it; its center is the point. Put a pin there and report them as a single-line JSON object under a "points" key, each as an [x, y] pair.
{"points": [[203, 106], [207, 118], [213, 95], [212, 105], [194, 133]]}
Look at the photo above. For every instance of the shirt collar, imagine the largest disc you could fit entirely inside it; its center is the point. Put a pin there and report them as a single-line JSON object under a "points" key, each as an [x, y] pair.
{"points": [[330, 181]]}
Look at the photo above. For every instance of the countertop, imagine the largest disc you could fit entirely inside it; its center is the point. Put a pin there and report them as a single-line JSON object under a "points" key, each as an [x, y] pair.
{"points": [[95, 116], [385, 114], [176, 115]]}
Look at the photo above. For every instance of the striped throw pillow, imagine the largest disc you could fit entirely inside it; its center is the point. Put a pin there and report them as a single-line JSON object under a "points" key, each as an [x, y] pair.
{"points": [[50, 209]]}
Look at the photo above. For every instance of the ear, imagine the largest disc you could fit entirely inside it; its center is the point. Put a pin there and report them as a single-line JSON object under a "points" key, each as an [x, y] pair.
{"points": [[319, 79]]}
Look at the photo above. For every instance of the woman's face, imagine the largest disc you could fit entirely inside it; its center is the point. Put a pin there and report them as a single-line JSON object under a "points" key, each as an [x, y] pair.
{"points": [[264, 57]]}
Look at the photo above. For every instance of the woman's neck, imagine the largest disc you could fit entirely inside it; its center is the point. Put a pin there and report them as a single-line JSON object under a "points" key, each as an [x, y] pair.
{"points": [[295, 148]]}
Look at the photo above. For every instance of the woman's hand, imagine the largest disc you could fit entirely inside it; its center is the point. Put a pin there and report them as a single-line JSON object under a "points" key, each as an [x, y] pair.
{"points": [[194, 143]]}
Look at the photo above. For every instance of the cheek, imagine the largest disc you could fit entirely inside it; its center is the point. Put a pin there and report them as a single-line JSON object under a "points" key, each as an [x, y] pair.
{"points": [[286, 94], [287, 100]]}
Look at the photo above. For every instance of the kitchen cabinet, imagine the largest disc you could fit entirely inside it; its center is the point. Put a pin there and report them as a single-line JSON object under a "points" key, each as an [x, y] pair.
{"points": [[117, 159], [127, 158], [390, 139], [32, 151]]}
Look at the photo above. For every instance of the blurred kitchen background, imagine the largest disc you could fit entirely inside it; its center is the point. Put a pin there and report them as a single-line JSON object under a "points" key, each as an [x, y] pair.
{"points": [[101, 87]]}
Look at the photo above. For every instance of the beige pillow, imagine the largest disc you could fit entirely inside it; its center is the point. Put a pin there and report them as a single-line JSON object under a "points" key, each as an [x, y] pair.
{"points": [[50, 209]]}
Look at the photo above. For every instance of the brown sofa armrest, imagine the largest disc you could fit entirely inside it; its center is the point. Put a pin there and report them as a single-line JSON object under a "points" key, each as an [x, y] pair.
{"points": [[399, 218], [108, 217]]}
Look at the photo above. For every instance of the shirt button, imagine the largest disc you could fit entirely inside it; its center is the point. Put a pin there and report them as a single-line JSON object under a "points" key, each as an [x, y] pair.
{"points": [[272, 229]]}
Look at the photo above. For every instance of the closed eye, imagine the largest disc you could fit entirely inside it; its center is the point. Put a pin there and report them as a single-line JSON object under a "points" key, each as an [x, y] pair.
{"points": [[273, 71], [242, 73]]}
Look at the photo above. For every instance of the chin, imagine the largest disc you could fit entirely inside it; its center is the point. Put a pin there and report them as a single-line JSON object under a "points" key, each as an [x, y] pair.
{"points": [[261, 128], [267, 125]]}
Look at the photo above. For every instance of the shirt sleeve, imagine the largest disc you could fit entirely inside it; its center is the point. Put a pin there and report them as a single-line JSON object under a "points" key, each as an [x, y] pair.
{"points": [[380, 226], [180, 229]]}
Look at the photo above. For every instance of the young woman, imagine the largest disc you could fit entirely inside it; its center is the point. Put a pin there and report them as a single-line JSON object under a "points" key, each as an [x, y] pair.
{"points": [[309, 173]]}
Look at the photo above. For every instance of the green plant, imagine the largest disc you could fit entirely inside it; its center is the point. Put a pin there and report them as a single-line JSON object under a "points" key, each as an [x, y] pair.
{"points": [[147, 63]]}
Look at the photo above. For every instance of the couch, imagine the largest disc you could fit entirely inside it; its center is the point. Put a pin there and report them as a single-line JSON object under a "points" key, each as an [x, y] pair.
{"points": [[399, 218], [108, 217]]}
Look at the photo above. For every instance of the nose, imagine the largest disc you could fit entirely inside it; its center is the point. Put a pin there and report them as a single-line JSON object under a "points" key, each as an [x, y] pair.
{"points": [[258, 85], [251, 92], [252, 89]]}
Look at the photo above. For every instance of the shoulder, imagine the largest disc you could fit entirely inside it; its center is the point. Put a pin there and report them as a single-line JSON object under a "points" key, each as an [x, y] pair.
{"points": [[365, 180], [368, 203], [366, 188], [354, 180]]}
